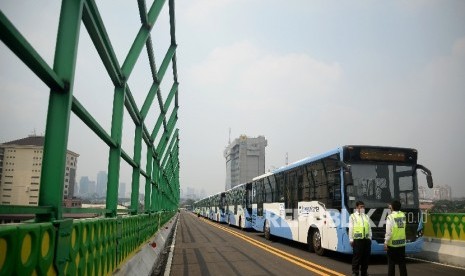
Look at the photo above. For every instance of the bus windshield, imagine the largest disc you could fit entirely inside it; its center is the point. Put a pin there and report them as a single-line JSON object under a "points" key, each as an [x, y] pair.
{"points": [[378, 184]]}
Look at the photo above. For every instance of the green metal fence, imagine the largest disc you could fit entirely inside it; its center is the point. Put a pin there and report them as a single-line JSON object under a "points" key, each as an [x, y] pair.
{"points": [[53, 244], [450, 226]]}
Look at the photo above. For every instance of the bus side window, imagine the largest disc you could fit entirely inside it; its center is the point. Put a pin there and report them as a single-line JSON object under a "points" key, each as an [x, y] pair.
{"points": [[300, 185], [333, 176], [269, 188], [279, 188], [311, 182]]}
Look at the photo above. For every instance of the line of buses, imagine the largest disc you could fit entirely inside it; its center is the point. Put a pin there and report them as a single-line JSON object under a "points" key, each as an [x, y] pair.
{"points": [[310, 201]]}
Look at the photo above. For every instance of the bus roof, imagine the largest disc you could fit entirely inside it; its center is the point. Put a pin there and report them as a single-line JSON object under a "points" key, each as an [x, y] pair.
{"points": [[262, 176], [338, 150], [308, 160]]}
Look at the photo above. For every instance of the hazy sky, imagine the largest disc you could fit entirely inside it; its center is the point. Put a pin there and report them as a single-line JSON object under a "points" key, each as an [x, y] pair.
{"points": [[308, 75]]}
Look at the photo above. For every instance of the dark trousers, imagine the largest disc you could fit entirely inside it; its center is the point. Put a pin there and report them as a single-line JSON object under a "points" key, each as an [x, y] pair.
{"points": [[361, 256], [396, 255]]}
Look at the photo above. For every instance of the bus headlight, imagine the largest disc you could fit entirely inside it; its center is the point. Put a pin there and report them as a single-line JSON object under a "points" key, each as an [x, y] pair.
{"points": [[420, 233]]}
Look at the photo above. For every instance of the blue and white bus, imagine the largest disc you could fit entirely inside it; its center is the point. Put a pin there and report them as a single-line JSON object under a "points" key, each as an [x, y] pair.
{"points": [[233, 207], [239, 206], [310, 201], [212, 207], [218, 207]]}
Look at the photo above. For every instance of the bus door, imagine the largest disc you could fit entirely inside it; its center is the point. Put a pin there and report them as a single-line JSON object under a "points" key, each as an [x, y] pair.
{"points": [[292, 206]]}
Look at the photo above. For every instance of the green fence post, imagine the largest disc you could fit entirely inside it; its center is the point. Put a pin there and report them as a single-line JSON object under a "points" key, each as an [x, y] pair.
{"points": [[57, 128], [115, 152], [136, 170]]}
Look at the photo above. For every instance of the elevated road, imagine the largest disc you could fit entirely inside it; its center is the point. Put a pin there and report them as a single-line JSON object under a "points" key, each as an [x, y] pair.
{"points": [[208, 248]]}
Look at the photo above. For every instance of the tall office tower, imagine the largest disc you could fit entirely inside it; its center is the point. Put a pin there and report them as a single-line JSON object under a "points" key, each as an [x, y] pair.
{"points": [[84, 183], [92, 189], [122, 190], [245, 159], [20, 171], [102, 184], [442, 193], [70, 175]]}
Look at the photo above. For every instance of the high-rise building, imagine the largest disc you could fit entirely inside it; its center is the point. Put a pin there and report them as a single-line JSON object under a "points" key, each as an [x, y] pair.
{"points": [[442, 193], [102, 179], [92, 188], [20, 171], [245, 159], [84, 183], [122, 190]]}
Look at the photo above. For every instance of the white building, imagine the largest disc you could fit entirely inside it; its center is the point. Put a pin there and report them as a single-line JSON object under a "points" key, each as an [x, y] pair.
{"points": [[442, 193], [20, 171], [245, 159]]}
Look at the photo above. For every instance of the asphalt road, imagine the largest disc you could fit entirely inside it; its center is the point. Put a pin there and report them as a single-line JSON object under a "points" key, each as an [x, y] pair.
{"points": [[204, 247]]}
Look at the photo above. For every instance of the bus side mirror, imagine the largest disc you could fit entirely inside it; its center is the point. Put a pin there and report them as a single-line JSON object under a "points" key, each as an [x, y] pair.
{"points": [[347, 174], [429, 177], [429, 180], [348, 180]]}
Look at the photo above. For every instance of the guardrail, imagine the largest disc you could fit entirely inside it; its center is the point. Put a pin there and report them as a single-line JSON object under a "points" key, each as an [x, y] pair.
{"points": [[75, 247]]}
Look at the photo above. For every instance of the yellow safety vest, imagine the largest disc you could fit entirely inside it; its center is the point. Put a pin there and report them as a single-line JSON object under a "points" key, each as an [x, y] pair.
{"points": [[398, 222], [361, 226]]}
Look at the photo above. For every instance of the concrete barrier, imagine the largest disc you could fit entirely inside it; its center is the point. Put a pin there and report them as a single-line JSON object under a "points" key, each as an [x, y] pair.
{"points": [[150, 259], [444, 251]]}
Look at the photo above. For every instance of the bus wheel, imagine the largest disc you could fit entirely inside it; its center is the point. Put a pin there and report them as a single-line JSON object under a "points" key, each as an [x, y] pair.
{"points": [[240, 223], [310, 241], [316, 242], [267, 230]]}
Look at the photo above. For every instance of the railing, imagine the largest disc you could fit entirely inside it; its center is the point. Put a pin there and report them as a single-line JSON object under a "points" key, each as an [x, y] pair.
{"points": [[51, 243], [449, 226], [76, 247]]}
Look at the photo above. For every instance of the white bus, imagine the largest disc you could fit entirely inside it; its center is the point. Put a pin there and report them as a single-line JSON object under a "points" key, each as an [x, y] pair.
{"points": [[239, 206], [218, 207], [310, 201]]}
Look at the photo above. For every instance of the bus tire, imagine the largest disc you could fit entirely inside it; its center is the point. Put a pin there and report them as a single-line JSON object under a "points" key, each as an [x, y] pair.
{"points": [[267, 230], [316, 242], [240, 223], [310, 241]]}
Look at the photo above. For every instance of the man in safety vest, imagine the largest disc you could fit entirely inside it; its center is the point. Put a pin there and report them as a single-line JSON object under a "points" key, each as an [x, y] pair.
{"points": [[360, 239], [394, 241]]}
